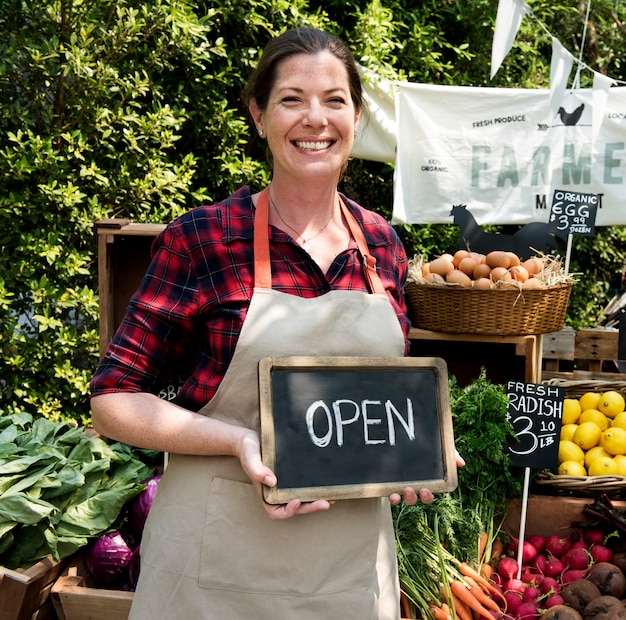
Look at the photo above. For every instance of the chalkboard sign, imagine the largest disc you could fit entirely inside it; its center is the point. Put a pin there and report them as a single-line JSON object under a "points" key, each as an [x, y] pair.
{"points": [[573, 213], [350, 427], [535, 410]]}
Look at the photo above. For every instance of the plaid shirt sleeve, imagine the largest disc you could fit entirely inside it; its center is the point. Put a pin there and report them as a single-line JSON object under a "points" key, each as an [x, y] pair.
{"points": [[182, 324]]}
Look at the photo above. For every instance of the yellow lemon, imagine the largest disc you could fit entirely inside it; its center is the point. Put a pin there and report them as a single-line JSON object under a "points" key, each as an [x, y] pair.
{"points": [[619, 420], [567, 432], [595, 416], [594, 453], [613, 440], [571, 411], [611, 403], [587, 435], [603, 466], [569, 451], [571, 468], [589, 400], [620, 461]]}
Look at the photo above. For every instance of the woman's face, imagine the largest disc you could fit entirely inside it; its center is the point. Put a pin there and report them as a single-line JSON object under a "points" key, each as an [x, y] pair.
{"points": [[310, 120]]}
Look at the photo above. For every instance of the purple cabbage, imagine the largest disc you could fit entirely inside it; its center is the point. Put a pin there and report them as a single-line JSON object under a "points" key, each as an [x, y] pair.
{"points": [[140, 506], [108, 557]]}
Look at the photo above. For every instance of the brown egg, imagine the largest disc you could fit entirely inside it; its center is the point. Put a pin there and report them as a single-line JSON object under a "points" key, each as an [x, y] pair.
{"points": [[500, 274], [434, 278], [497, 258], [478, 257], [533, 265], [425, 269], [519, 273], [459, 255], [482, 284], [482, 271], [441, 265], [458, 277], [467, 266], [514, 258], [533, 283]]}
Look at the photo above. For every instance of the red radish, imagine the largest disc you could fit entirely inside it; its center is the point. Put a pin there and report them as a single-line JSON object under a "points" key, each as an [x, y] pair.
{"points": [[538, 542], [531, 594], [513, 601], [540, 563], [600, 553], [593, 536], [530, 576], [514, 585], [580, 544], [554, 568], [507, 568], [558, 545], [549, 585], [529, 552], [568, 576], [576, 558], [553, 600], [526, 611]]}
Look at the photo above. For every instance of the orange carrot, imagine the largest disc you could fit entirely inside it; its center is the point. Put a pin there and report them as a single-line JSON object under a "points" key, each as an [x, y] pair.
{"points": [[486, 570], [406, 606], [487, 588], [467, 571], [484, 599], [461, 609], [439, 613], [497, 549], [462, 592], [482, 544]]}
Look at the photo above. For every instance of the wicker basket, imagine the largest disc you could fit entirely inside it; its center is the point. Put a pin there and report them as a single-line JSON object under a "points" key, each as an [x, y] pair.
{"points": [[584, 485], [503, 311]]}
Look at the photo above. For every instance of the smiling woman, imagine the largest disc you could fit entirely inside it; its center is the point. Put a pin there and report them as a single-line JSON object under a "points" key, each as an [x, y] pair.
{"points": [[292, 269]]}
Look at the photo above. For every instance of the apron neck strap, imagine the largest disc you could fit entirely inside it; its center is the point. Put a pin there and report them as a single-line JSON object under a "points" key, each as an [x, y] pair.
{"points": [[262, 265]]}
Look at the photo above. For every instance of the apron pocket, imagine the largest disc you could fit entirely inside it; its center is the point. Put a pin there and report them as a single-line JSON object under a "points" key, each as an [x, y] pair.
{"points": [[327, 552]]}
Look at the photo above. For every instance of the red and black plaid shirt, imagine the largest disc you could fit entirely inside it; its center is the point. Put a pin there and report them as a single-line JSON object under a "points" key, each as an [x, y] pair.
{"points": [[183, 322]]}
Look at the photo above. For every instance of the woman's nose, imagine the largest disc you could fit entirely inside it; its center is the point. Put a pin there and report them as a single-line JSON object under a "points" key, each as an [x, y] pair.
{"points": [[315, 114]]}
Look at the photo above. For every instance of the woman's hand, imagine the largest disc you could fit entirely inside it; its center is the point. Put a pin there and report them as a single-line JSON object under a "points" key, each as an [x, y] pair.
{"points": [[249, 453], [410, 496]]}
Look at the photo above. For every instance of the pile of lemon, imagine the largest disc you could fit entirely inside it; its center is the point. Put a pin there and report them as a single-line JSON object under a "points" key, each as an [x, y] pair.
{"points": [[593, 435]]}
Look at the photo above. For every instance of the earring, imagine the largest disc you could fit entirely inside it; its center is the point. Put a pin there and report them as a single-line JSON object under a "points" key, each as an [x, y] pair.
{"points": [[261, 132]]}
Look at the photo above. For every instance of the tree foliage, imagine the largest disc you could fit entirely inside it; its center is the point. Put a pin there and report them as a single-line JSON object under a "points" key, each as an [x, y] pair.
{"points": [[132, 109]]}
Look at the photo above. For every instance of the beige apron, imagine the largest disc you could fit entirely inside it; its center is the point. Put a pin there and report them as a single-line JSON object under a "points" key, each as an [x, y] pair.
{"points": [[209, 549]]}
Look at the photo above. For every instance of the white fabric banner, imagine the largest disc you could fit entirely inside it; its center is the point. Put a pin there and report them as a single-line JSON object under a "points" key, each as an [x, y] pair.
{"points": [[503, 153]]}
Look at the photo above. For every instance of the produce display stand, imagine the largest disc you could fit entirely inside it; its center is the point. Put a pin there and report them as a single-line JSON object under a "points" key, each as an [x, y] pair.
{"points": [[25, 594]]}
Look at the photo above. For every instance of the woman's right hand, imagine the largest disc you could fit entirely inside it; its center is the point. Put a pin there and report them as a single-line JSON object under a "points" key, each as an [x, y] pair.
{"points": [[249, 453]]}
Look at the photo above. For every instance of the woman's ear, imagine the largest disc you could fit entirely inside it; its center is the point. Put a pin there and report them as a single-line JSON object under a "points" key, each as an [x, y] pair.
{"points": [[257, 116]]}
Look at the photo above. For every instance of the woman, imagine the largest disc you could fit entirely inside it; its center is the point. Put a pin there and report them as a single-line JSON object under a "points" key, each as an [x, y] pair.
{"points": [[278, 272]]}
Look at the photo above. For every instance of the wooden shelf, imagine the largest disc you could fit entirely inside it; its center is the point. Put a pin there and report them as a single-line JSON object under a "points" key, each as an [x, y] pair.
{"points": [[505, 358]]}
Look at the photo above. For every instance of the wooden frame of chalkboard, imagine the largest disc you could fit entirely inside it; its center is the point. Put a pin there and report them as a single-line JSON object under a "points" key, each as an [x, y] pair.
{"points": [[355, 427]]}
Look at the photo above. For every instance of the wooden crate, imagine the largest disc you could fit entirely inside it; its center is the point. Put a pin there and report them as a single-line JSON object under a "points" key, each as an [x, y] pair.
{"points": [[586, 354], [25, 594], [75, 598], [123, 257]]}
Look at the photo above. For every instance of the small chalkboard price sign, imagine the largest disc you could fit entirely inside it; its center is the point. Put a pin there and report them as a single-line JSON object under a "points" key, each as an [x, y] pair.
{"points": [[354, 427], [573, 213], [535, 412]]}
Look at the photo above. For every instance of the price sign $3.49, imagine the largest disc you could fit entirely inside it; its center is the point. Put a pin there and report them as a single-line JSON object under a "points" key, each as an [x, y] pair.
{"points": [[535, 411]]}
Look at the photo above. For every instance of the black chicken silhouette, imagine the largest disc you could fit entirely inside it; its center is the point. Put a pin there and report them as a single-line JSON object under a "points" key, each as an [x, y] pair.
{"points": [[571, 118], [525, 242]]}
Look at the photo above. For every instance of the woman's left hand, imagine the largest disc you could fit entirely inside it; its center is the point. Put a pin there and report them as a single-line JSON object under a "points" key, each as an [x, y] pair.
{"points": [[410, 496]]}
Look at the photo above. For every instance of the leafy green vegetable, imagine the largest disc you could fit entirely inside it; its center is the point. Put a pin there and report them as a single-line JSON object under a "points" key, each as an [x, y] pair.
{"points": [[61, 486]]}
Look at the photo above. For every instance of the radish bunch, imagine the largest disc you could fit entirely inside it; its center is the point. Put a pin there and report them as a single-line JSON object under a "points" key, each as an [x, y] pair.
{"points": [[548, 565]]}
